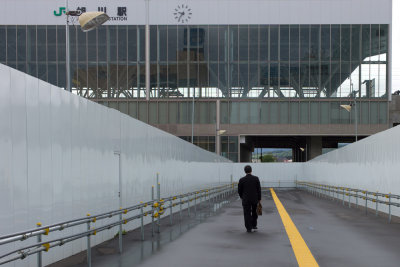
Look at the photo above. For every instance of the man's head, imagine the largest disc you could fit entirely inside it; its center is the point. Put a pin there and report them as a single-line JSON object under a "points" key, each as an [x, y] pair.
{"points": [[247, 169]]}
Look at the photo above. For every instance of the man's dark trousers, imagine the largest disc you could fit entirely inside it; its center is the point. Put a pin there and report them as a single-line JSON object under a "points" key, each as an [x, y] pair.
{"points": [[249, 190], [250, 216]]}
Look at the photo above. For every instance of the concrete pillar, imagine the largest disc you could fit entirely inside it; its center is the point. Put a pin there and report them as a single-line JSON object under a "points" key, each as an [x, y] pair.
{"points": [[314, 147], [245, 153]]}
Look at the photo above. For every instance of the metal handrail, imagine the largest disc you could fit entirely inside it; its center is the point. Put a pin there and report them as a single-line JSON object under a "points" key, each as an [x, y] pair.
{"points": [[318, 189], [156, 210]]}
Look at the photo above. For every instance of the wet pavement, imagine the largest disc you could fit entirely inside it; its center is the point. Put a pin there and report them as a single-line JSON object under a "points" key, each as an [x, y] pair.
{"points": [[336, 236]]}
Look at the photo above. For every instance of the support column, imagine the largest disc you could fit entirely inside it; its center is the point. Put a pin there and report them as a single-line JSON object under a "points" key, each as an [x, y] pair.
{"points": [[217, 128], [314, 147]]}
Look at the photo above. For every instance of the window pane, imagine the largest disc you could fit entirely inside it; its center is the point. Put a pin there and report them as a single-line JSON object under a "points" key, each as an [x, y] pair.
{"points": [[284, 112], [12, 43], [243, 43], [325, 107], [366, 35], [315, 43], [132, 43], [183, 113], [335, 80], [3, 44], [335, 42], [384, 33], [244, 112], [374, 113], [355, 43], [263, 42], [122, 43], [294, 43], [234, 114], [304, 112], [335, 112], [223, 43], [143, 111], [345, 42], [202, 112], [294, 112], [212, 43], [162, 113], [284, 42], [21, 43], [325, 42], [314, 112], [364, 112], [253, 43], [235, 42], [172, 43], [254, 112], [274, 112], [132, 109], [172, 112], [274, 38], [264, 112], [224, 112], [382, 113], [304, 42]]}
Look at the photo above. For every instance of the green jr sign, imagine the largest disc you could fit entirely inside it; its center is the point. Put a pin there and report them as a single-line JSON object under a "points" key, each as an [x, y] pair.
{"points": [[60, 12]]}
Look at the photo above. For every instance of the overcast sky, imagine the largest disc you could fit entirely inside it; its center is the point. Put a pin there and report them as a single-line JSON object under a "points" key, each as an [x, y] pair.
{"points": [[396, 46]]}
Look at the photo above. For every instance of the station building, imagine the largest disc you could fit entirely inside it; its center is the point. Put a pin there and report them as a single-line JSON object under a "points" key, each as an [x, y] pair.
{"points": [[269, 73]]}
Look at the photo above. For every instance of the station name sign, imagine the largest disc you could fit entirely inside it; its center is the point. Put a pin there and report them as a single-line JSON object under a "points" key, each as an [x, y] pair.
{"points": [[116, 14]]}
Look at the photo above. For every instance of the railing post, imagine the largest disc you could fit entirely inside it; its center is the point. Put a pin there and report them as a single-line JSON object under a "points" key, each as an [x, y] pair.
{"points": [[180, 207], [152, 211], [120, 232], [195, 204], [356, 198], [366, 203], [343, 196], [141, 222], [188, 201], [170, 211], [89, 249], [376, 206], [349, 198], [159, 204], [390, 211], [39, 254]]}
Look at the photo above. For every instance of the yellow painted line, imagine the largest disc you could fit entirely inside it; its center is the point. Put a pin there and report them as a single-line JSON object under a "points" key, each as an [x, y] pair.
{"points": [[301, 251]]}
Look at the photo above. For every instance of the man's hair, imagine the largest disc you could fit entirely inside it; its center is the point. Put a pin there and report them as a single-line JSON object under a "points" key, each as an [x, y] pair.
{"points": [[247, 169]]}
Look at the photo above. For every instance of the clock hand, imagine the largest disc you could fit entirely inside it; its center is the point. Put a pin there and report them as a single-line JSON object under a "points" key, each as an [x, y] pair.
{"points": [[180, 17]]}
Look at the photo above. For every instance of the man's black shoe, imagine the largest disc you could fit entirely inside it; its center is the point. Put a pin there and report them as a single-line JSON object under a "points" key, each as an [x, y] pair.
{"points": [[255, 228], [248, 231]]}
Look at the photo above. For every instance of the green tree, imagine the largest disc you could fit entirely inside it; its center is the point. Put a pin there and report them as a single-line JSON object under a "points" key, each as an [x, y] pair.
{"points": [[268, 158]]}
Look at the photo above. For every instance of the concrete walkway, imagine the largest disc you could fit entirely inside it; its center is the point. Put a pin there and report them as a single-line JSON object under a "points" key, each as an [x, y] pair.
{"points": [[335, 235]]}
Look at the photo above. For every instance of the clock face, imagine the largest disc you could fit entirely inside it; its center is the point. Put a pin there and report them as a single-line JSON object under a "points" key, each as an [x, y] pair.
{"points": [[182, 13]]}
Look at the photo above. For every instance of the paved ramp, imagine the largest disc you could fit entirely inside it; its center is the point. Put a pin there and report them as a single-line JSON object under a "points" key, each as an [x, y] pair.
{"points": [[335, 235]]}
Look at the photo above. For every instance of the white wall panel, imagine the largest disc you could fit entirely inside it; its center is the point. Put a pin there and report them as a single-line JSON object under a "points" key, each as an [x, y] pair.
{"points": [[371, 164], [6, 178], [57, 161]]}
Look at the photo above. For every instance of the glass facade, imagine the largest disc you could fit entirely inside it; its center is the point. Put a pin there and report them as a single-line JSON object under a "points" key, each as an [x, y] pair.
{"points": [[210, 61], [263, 74]]}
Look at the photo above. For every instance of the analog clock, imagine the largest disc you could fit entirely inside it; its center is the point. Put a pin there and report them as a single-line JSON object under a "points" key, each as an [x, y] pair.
{"points": [[182, 13]]}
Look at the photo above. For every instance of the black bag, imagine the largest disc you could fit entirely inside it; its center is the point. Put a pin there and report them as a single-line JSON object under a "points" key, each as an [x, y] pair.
{"points": [[259, 209]]}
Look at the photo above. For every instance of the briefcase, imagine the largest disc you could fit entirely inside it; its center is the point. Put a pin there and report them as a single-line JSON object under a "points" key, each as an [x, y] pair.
{"points": [[259, 209]]}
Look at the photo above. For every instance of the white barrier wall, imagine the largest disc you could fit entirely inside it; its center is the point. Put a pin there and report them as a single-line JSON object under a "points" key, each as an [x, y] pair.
{"points": [[371, 164], [58, 161]]}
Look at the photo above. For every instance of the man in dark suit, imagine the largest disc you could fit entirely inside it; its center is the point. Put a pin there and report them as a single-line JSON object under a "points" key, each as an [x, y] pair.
{"points": [[249, 190]]}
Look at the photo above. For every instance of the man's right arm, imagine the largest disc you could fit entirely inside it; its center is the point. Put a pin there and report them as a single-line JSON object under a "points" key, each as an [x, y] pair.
{"points": [[258, 189], [240, 188]]}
